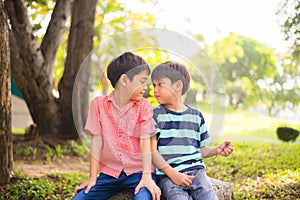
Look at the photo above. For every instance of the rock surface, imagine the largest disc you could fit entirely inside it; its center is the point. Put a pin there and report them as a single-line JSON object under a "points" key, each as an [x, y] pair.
{"points": [[224, 191]]}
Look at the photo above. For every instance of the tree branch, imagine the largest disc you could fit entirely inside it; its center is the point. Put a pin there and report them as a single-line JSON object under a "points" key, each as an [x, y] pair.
{"points": [[27, 64], [54, 34], [23, 32]]}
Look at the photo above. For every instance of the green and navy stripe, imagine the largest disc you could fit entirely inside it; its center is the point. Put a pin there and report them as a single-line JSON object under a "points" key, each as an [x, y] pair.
{"points": [[180, 136]]}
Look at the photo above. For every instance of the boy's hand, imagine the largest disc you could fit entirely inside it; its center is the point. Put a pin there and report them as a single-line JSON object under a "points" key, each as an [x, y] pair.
{"points": [[150, 185], [91, 182], [181, 179], [225, 149]]}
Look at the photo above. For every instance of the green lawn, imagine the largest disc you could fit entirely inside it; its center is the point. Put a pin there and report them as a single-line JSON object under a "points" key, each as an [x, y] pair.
{"points": [[258, 168], [243, 125]]}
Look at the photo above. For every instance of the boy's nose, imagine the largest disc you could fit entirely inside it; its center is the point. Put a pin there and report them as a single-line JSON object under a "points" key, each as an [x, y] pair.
{"points": [[144, 87]]}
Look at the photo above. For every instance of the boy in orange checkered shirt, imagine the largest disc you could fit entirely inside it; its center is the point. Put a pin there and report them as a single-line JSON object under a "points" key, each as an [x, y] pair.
{"points": [[120, 125]]}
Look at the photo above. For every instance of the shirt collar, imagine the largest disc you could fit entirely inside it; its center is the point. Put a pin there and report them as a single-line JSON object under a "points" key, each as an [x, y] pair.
{"points": [[111, 99]]}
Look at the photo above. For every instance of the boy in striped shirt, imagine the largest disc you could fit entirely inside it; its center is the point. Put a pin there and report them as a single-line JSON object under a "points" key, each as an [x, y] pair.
{"points": [[181, 137]]}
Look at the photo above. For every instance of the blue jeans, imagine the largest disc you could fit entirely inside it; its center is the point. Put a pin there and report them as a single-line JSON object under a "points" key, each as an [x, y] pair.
{"points": [[107, 186], [200, 189]]}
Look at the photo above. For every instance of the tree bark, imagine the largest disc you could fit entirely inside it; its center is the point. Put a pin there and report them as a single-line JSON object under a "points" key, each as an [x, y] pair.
{"points": [[31, 76], [5, 101], [32, 65], [80, 45], [54, 34]]}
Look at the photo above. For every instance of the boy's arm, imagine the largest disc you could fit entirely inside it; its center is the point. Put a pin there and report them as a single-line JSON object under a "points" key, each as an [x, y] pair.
{"points": [[177, 177], [146, 180], [95, 152], [224, 149]]}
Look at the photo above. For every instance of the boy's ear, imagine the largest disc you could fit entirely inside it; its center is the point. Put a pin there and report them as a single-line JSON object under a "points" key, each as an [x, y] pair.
{"points": [[179, 85], [123, 80]]}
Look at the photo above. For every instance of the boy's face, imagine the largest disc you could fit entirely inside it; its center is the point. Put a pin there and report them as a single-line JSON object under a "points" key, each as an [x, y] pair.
{"points": [[164, 90], [138, 86]]}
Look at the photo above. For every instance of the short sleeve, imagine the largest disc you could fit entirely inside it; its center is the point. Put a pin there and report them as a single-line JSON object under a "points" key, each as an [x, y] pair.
{"points": [[155, 122], [93, 123], [203, 131], [146, 122]]}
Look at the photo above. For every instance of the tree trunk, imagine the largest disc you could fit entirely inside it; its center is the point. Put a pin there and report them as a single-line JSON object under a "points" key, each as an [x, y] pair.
{"points": [[5, 101], [32, 65], [80, 45]]}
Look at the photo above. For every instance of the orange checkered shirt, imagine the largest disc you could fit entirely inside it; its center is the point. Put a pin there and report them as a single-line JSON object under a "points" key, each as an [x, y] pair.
{"points": [[121, 132]]}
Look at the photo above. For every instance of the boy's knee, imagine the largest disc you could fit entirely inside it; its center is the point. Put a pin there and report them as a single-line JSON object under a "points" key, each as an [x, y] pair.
{"points": [[79, 195], [143, 194]]}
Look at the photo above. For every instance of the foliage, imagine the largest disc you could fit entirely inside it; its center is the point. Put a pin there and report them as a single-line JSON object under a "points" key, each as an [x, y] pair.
{"points": [[288, 12], [37, 149], [52, 186], [283, 90], [242, 62], [287, 134]]}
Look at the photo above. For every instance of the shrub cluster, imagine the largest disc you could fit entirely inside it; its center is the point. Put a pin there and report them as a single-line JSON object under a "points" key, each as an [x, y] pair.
{"points": [[287, 134]]}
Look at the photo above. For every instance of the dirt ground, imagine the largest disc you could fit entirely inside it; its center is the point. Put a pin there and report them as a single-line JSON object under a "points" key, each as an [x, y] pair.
{"points": [[35, 165], [38, 168]]}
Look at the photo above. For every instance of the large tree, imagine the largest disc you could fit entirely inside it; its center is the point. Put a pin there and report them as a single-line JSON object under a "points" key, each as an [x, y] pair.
{"points": [[5, 101], [32, 62], [36, 56], [242, 62]]}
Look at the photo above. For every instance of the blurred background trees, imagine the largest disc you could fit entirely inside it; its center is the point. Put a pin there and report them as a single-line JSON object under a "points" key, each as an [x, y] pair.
{"points": [[49, 40]]}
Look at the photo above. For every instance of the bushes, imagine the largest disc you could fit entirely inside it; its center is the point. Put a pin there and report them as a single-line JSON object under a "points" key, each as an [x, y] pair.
{"points": [[287, 134]]}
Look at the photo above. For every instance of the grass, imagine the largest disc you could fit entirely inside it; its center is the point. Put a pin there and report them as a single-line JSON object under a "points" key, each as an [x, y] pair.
{"points": [[244, 125], [50, 187], [258, 169], [252, 125]]}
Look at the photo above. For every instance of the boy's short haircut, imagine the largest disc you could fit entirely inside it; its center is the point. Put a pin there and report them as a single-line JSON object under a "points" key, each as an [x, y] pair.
{"points": [[174, 71], [127, 63]]}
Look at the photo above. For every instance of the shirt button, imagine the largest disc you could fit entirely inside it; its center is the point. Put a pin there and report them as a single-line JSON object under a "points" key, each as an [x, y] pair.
{"points": [[120, 135]]}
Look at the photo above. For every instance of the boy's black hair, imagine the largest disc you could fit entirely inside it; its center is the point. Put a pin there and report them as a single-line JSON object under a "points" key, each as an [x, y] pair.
{"points": [[174, 71], [127, 63]]}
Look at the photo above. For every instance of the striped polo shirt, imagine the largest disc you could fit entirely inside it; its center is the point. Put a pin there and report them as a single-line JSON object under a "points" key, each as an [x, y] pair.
{"points": [[180, 136]]}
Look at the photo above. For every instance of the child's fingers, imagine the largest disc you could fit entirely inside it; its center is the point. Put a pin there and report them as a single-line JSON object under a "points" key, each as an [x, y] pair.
{"points": [[187, 181], [137, 189], [88, 188], [157, 194], [153, 194], [83, 185], [76, 190], [226, 151], [191, 177]]}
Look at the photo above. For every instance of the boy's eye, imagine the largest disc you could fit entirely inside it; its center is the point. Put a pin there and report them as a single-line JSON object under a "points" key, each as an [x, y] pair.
{"points": [[157, 84]]}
